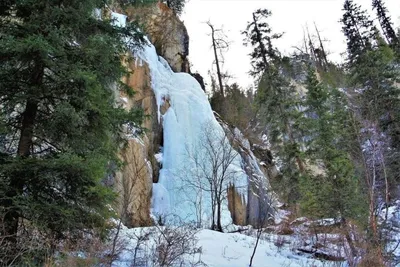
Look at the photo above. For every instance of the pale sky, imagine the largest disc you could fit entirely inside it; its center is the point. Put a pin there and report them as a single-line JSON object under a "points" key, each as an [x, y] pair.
{"points": [[288, 16]]}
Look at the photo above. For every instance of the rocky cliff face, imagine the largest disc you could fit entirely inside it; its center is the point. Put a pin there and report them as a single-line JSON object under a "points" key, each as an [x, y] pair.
{"points": [[166, 32], [260, 199], [134, 181]]}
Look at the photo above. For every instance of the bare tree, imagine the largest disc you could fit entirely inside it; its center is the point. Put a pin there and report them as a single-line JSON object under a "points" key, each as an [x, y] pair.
{"points": [[175, 245], [133, 181], [135, 169], [219, 44], [211, 160], [265, 200], [322, 52]]}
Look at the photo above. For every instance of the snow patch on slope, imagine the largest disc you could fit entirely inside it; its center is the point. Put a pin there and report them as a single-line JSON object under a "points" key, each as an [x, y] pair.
{"points": [[217, 249]]}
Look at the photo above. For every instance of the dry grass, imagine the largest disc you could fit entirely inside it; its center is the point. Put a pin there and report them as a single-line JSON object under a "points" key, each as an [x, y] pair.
{"points": [[371, 259]]}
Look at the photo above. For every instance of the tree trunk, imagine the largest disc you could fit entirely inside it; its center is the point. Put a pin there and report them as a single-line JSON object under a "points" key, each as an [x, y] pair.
{"points": [[322, 48], [259, 40], [349, 240], [219, 225], [299, 162], [16, 185], [221, 88], [259, 231], [213, 226]]}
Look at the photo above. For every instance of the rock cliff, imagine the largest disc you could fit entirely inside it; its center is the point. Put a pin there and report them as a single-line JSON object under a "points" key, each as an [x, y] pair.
{"points": [[166, 32]]}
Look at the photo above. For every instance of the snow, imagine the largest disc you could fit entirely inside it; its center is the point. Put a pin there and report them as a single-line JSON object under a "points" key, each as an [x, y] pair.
{"points": [[183, 124], [97, 13], [159, 157], [228, 250], [393, 225], [118, 19], [217, 249]]}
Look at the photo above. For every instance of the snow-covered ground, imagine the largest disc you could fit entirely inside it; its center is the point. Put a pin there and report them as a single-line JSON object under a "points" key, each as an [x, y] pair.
{"points": [[215, 249]]}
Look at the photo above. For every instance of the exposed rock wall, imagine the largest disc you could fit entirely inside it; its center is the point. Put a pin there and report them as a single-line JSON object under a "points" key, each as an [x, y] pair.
{"points": [[166, 32], [134, 184], [139, 80], [237, 206], [260, 199]]}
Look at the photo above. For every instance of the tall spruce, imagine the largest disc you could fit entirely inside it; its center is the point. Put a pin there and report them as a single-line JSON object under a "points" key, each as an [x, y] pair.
{"points": [[259, 35], [280, 111], [385, 22], [375, 103], [326, 127], [331, 187], [358, 29], [60, 127], [278, 102]]}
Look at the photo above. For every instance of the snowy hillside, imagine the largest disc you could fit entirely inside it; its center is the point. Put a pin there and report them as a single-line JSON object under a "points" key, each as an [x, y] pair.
{"points": [[214, 249]]}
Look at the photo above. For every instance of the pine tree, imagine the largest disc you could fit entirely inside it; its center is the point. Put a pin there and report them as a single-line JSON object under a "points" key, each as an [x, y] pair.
{"points": [[237, 107], [375, 100], [334, 189], [385, 22], [259, 35], [277, 100], [60, 127], [280, 110], [323, 121], [358, 29]]}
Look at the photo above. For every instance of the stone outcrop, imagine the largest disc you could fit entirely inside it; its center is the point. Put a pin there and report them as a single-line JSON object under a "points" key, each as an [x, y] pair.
{"points": [[134, 182], [144, 98], [166, 32], [237, 206], [260, 200]]}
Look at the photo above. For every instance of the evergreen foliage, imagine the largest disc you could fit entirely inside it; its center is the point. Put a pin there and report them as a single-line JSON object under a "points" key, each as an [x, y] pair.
{"points": [[60, 128], [358, 29], [259, 35], [374, 96], [385, 22], [236, 107], [277, 101], [375, 78], [279, 110], [332, 189]]}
